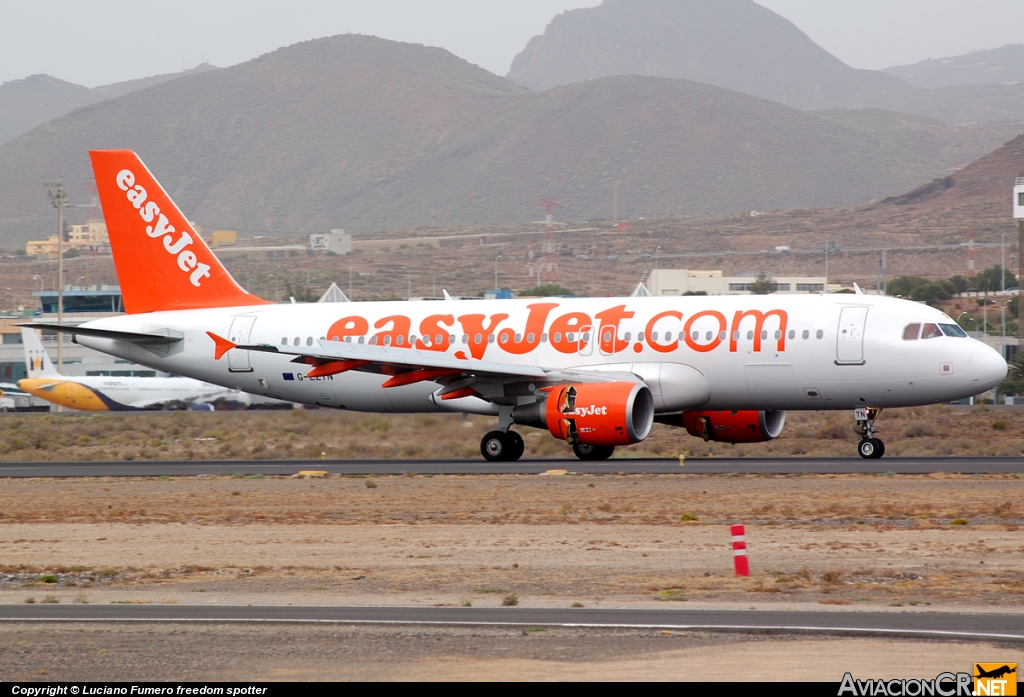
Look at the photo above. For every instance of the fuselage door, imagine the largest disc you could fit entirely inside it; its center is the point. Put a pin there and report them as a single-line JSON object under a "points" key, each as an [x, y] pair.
{"points": [[850, 339], [241, 329]]}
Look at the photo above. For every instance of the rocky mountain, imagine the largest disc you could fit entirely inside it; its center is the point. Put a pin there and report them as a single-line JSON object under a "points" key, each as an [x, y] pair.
{"points": [[36, 99], [361, 133], [996, 66], [736, 44], [743, 46]]}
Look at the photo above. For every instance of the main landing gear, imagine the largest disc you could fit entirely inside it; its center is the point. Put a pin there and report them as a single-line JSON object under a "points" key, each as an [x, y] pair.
{"points": [[593, 452], [502, 446], [870, 448]]}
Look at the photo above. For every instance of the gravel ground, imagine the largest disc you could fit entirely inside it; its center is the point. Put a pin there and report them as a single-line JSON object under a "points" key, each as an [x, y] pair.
{"points": [[244, 652]]}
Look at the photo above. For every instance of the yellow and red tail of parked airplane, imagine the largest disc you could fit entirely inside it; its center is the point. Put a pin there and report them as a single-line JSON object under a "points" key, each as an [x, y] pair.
{"points": [[162, 263]]}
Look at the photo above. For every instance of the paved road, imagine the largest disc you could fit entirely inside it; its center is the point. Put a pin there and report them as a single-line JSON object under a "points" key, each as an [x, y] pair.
{"points": [[854, 465], [1006, 626]]}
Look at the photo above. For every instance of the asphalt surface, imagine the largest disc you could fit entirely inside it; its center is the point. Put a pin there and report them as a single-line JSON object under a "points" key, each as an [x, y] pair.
{"points": [[853, 465], [1005, 627]]}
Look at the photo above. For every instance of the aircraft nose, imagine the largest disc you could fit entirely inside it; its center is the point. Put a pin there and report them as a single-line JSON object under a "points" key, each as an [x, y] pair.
{"points": [[988, 368]]}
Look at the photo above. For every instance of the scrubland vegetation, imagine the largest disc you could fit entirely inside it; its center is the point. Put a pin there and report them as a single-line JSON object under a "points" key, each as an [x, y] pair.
{"points": [[937, 430]]}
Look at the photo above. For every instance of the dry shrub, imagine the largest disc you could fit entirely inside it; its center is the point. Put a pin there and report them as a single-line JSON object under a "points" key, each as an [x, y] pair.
{"points": [[833, 429], [919, 429], [833, 576]]}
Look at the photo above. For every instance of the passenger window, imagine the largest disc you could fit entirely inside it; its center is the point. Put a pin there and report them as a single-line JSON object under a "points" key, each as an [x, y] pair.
{"points": [[284, 341], [531, 337], [911, 332], [931, 331], [750, 336], [296, 341], [309, 341], [820, 334], [792, 334], [806, 334]]}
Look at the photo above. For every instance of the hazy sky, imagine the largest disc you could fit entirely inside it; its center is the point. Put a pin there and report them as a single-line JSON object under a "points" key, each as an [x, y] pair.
{"points": [[94, 42]]}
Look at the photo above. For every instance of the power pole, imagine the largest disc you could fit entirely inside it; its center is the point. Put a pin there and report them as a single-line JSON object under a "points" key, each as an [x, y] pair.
{"points": [[55, 190], [615, 203], [1020, 270]]}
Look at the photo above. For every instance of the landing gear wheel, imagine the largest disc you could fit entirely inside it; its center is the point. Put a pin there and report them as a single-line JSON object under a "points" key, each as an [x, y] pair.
{"points": [[593, 452], [499, 446], [871, 448], [516, 446], [495, 446]]}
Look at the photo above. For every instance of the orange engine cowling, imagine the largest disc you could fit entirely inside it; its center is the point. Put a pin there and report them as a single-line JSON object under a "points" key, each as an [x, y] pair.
{"points": [[606, 413], [734, 426]]}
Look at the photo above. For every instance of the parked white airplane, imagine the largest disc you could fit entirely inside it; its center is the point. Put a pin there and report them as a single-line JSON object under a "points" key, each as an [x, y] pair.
{"points": [[594, 372], [101, 393]]}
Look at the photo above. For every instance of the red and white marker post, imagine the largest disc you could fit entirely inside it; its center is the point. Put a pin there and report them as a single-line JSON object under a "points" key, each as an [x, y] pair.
{"points": [[739, 550]]}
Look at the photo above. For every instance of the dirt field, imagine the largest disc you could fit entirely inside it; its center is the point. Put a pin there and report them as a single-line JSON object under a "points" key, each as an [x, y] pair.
{"points": [[939, 430], [838, 543], [888, 541]]}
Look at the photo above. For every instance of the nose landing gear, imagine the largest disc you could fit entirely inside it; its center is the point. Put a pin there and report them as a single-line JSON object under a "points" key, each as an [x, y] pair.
{"points": [[870, 448]]}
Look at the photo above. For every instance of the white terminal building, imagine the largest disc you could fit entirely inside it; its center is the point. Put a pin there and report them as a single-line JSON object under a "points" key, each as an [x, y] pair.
{"points": [[672, 282]]}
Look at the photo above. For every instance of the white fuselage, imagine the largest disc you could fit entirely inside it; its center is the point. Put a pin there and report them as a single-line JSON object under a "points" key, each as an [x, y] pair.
{"points": [[812, 352]]}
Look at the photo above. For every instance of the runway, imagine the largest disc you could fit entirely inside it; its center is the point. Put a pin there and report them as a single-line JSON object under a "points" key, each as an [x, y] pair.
{"points": [[1003, 627], [723, 466]]}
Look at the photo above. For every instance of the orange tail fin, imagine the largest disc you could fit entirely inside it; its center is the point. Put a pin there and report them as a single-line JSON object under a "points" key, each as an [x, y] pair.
{"points": [[162, 264]]}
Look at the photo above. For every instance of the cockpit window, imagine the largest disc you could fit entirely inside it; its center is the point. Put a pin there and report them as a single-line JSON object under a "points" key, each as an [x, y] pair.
{"points": [[911, 332], [931, 331], [952, 330]]}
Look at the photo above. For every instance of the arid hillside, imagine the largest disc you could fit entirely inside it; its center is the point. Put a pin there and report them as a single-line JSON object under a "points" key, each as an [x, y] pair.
{"points": [[36, 99], [366, 134]]}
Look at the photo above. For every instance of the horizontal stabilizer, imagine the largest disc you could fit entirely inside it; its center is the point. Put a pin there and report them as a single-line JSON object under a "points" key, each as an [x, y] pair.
{"points": [[160, 336]]}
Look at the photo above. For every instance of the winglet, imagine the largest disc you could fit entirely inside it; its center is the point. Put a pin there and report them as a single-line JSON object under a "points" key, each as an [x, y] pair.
{"points": [[222, 345], [856, 289], [446, 296]]}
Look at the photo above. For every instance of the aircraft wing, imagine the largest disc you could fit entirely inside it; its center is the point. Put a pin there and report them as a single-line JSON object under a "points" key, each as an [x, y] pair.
{"points": [[376, 358], [460, 377]]}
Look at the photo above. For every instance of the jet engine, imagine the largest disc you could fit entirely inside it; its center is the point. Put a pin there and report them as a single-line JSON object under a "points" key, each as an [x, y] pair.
{"points": [[606, 413], [730, 426]]}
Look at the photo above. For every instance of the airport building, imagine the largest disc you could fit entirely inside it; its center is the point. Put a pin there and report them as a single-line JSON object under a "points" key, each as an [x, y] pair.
{"points": [[81, 304], [88, 238], [712, 282]]}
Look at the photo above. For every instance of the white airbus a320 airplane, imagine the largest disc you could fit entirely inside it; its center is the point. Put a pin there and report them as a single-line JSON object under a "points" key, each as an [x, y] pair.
{"points": [[595, 372]]}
